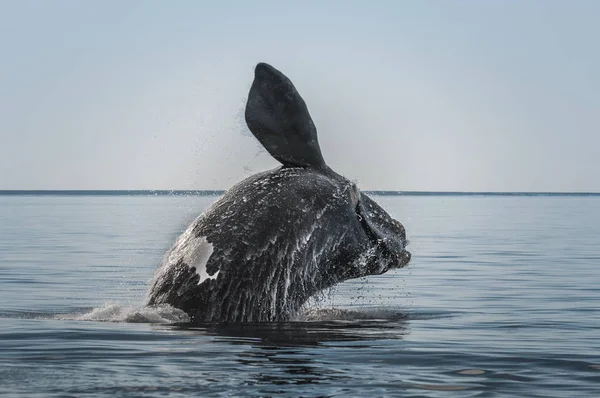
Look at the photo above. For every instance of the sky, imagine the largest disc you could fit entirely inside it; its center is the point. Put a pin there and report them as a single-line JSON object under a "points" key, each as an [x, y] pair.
{"points": [[406, 95]]}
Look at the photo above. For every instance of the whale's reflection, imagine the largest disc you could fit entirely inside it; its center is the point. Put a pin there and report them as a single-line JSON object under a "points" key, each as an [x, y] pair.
{"points": [[292, 353], [311, 328]]}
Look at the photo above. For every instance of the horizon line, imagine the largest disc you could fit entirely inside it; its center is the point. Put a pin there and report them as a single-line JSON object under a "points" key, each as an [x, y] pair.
{"points": [[213, 192]]}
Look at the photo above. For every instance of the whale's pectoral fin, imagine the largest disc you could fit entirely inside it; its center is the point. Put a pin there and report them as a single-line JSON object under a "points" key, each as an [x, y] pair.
{"points": [[278, 117]]}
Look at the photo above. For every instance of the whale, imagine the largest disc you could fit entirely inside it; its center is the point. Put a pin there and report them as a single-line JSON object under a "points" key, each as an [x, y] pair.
{"points": [[279, 237]]}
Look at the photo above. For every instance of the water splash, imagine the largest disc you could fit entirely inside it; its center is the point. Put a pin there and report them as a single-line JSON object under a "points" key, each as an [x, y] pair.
{"points": [[341, 314], [111, 312]]}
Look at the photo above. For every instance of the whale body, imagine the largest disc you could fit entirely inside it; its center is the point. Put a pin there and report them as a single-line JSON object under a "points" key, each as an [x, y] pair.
{"points": [[278, 237]]}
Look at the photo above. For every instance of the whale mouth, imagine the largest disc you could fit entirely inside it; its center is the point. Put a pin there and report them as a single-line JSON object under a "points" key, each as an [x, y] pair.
{"points": [[387, 234], [378, 259], [395, 259]]}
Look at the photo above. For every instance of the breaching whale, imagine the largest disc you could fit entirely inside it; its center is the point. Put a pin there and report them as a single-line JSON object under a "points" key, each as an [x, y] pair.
{"points": [[278, 237]]}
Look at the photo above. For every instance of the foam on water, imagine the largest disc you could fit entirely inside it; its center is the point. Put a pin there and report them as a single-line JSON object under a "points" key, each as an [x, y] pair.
{"points": [[111, 312], [341, 314], [165, 314]]}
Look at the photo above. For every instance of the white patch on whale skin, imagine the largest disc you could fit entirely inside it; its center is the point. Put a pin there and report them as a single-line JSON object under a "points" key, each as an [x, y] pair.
{"points": [[197, 255]]}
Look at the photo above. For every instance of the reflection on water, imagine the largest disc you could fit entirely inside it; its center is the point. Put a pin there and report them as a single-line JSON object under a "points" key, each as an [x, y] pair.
{"points": [[290, 334], [282, 345]]}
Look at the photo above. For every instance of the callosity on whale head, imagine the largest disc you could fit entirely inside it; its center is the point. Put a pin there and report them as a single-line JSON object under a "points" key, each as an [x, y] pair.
{"points": [[278, 237]]}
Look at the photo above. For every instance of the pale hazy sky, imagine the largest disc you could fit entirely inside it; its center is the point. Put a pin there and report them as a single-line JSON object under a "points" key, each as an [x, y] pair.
{"points": [[406, 95]]}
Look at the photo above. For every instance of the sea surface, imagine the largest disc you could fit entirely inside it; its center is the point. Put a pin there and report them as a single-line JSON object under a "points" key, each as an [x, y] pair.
{"points": [[501, 299]]}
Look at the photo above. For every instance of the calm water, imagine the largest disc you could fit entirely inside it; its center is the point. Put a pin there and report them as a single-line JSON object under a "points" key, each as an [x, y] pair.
{"points": [[502, 298]]}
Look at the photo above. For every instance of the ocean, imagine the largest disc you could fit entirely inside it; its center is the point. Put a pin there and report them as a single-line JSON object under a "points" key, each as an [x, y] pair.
{"points": [[501, 299]]}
